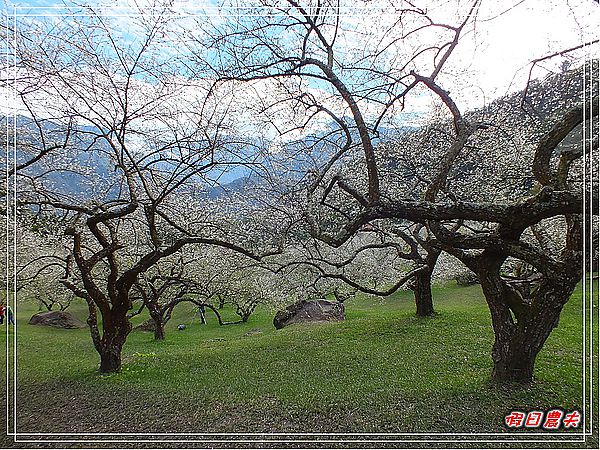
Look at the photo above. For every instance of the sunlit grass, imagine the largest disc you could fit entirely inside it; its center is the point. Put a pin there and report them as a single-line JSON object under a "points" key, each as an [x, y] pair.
{"points": [[383, 369]]}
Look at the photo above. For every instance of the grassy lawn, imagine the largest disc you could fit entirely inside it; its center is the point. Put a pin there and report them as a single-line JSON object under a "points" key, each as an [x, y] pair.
{"points": [[381, 370]]}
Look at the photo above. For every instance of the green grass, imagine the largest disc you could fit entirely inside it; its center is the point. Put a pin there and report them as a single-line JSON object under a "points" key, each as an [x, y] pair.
{"points": [[381, 370]]}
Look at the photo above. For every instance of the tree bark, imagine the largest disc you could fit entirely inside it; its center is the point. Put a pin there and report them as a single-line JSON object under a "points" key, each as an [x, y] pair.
{"points": [[110, 359], [116, 328], [159, 330], [422, 291], [518, 345], [159, 322], [422, 285], [110, 352], [522, 325]]}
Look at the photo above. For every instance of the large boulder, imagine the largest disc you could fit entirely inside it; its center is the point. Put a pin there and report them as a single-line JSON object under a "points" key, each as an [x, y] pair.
{"points": [[320, 310], [57, 319], [148, 325], [466, 278]]}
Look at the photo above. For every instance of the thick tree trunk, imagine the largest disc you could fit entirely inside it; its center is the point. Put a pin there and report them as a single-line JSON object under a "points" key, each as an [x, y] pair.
{"points": [[522, 326], [159, 321], [422, 291], [159, 330], [513, 362], [513, 352], [110, 359], [422, 285], [531, 335], [110, 351], [116, 330]]}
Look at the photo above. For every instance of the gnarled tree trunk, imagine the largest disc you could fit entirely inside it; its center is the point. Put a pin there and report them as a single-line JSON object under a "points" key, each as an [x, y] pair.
{"points": [[522, 324], [422, 285], [110, 358], [422, 291], [159, 321], [111, 345], [518, 343], [159, 330]]}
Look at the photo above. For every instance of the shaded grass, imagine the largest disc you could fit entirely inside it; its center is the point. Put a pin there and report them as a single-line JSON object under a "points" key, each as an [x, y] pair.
{"points": [[381, 370]]}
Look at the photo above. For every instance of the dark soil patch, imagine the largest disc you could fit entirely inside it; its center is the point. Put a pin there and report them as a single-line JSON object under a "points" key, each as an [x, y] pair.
{"points": [[73, 407], [70, 407]]}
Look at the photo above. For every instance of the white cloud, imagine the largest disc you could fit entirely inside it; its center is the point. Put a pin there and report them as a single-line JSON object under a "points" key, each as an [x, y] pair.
{"points": [[491, 59], [496, 56]]}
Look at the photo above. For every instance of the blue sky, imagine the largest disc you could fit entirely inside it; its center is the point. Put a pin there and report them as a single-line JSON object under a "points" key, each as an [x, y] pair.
{"points": [[490, 61]]}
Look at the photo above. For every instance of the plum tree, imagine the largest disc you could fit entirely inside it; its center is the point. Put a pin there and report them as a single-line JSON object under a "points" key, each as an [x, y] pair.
{"points": [[150, 143], [302, 48]]}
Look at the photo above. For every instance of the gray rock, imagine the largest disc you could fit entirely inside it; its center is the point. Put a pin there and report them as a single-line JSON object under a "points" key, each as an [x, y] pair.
{"points": [[306, 311], [147, 325], [466, 278], [57, 319]]}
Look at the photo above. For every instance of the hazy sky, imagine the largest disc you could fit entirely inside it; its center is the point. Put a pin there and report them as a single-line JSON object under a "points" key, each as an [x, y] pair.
{"points": [[508, 43]]}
